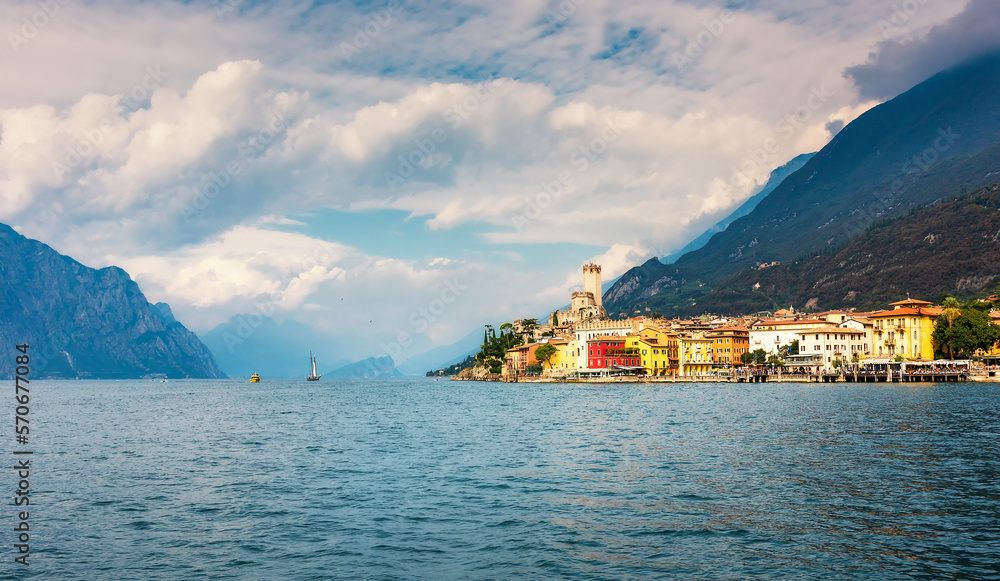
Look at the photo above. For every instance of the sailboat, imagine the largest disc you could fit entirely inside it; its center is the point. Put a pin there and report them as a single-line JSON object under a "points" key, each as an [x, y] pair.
{"points": [[315, 376]]}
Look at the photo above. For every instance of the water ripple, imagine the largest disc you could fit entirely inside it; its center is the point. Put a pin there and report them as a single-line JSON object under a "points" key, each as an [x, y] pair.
{"points": [[413, 479]]}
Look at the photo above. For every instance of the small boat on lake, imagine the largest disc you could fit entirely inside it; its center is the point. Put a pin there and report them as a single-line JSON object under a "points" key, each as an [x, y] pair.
{"points": [[254, 378], [315, 376]]}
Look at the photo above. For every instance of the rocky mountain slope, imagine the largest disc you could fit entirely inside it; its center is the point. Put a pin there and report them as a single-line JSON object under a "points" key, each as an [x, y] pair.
{"points": [[82, 322], [952, 247], [932, 143]]}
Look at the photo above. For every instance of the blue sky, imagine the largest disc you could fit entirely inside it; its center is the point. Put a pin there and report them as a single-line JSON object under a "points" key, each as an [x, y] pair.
{"points": [[238, 156]]}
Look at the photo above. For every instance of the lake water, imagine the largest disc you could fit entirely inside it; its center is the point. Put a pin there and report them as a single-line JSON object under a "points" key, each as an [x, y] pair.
{"points": [[417, 479]]}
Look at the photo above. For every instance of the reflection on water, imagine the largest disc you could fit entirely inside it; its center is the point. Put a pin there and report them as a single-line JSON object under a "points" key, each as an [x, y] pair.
{"points": [[439, 480]]}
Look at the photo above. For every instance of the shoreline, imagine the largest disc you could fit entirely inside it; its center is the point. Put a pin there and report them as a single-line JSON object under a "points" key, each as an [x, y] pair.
{"points": [[817, 380]]}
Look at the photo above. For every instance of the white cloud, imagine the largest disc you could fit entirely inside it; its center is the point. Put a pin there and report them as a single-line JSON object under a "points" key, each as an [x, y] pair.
{"points": [[207, 129], [909, 53]]}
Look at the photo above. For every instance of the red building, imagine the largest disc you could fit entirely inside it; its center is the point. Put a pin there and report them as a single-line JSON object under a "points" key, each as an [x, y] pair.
{"points": [[609, 352]]}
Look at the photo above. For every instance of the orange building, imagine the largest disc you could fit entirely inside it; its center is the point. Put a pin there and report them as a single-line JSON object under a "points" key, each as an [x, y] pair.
{"points": [[729, 344]]}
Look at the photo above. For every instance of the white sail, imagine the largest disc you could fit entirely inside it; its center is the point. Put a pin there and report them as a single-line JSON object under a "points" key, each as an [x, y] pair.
{"points": [[312, 360]]}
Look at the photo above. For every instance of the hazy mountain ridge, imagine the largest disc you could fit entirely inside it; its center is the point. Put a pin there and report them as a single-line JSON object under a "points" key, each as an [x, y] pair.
{"points": [[253, 343], [82, 322], [929, 144], [372, 367], [774, 180]]}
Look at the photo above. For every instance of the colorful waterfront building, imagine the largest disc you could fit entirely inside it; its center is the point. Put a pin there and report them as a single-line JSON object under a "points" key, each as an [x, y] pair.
{"points": [[564, 360], [589, 330], [611, 353], [905, 330], [695, 355], [841, 343], [654, 355], [728, 345], [771, 334], [519, 359], [661, 350]]}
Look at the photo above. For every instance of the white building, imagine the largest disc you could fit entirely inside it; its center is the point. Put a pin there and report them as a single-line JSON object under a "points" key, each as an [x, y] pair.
{"points": [[833, 343], [866, 326], [771, 334]]}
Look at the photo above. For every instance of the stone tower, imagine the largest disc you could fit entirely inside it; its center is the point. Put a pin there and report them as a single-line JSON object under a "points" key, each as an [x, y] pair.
{"points": [[592, 281]]}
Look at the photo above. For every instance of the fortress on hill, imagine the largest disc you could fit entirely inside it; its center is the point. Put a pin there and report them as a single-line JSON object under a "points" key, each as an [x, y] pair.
{"points": [[585, 305]]}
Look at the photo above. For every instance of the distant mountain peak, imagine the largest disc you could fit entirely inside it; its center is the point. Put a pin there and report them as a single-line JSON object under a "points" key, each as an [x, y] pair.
{"points": [[85, 322]]}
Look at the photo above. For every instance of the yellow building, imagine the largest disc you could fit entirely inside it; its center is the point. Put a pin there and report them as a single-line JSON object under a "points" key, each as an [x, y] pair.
{"points": [[512, 365], [695, 355], [564, 360], [668, 346], [905, 330], [657, 351]]}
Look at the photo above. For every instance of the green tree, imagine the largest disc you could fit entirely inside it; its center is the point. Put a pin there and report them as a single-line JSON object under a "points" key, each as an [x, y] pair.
{"points": [[775, 361], [760, 357], [793, 349], [528, 327], [505, 334], [746, 358], [544, 354], [555, 318], [952, 310], [837, 363], [967, 333]]}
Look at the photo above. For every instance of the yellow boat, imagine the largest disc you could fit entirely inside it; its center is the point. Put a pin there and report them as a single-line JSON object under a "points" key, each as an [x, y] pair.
{"points": [[254, 378]]}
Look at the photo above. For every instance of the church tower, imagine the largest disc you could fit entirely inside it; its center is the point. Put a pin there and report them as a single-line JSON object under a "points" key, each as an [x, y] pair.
{"points": [[592, 281]]}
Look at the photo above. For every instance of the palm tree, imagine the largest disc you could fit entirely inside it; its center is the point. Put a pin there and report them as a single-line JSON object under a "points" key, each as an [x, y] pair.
{"points": [[952, 311]]}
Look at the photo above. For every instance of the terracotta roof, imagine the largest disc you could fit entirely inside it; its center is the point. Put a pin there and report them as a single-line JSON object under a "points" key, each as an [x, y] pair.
{"points": [[928, 311], [816, 322], [910, 303]]}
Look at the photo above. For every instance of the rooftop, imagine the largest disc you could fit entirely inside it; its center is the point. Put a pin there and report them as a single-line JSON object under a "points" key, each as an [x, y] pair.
{"points": [[926, 311], [910, 303], [777, 323]]}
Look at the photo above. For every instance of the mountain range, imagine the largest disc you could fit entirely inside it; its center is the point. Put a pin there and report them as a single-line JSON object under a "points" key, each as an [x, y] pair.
{"points": [[81, 322], [935, 142], [952, 247]]}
